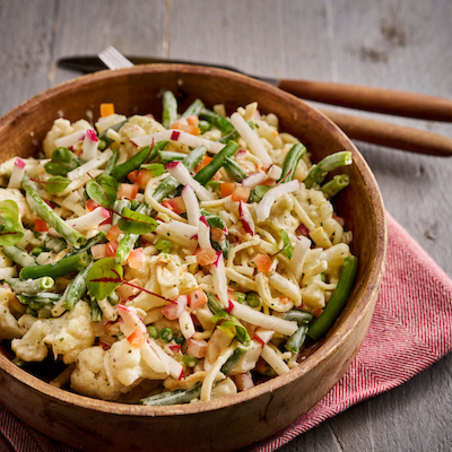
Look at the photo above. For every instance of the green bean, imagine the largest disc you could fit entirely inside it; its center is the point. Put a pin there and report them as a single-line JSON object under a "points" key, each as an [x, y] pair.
{"points": [[169, 185], [96, 312], [204, 126], [297, 340], [194, 109], [128, 240], [337, 301], [77, 288], [30, 286], [234, 170], [258, 193], [173, 398], [217, 120], [114, 298], [103, 136], [329, 163], [213, 303], [118, 206], [214, 220], [169, 113], [170, 156], [146, 154], [111, 162], [234, 135], [51, 243], [44, 211], [301, 317], [233, 360], [217, 162], [190, 361], [291, 162], [333, 187], [98, 238], [36, 301], [19, 256], [56, 269]]}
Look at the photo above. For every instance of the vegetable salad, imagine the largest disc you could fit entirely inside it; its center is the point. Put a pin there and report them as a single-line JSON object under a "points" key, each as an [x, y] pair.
{"points": [[170, 262]]}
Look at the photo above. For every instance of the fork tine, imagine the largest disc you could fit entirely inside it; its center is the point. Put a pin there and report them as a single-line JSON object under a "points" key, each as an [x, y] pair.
{"points": [[114, 59]]}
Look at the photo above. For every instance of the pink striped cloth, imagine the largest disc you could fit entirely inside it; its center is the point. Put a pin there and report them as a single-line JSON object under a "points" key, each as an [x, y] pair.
{"points": [[400, 343]]}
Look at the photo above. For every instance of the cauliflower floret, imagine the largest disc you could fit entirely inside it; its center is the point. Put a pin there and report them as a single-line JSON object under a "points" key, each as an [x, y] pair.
{"points": [[104, 123], [32, 347], [90, 378], [74, 334], [122, 362], [13, 194], [9, 328]]}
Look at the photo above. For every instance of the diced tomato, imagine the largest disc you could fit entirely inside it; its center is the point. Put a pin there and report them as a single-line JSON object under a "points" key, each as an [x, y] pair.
{"points": [[92, 205], [241, 194], [263, 262], [173, 310], [340, 220], [243, 381], [205, 161], [125, 291], [193, 120], [111, 248], [197, 298], [177, 205], [217, 234], [107, 221], [137, 338], [144, 176], [41, 225], [99, 251], [227, 188], [133, 176], [128, 191], [107, 110], [206, 256], [197, 348], [113, 233], [303, 230], [136, 258]]}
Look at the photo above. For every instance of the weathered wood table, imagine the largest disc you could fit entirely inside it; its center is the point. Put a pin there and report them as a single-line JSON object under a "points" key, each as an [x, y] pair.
{"points": [[396, 44]]}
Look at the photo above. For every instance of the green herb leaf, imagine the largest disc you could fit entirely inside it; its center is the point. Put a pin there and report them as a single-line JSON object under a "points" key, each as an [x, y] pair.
{"points": [[157, 169], [103, 190], [11, 229], [104, 277], [225, 321], [287, 246], [55, 184], [136, 223], [63, 161]]}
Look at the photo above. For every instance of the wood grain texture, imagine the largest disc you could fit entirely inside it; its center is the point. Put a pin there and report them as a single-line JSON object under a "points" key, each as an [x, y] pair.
{"points": [[394, 44]]}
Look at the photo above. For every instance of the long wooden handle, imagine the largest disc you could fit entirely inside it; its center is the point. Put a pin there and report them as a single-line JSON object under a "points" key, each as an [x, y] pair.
{"points": [[372, 99], [392, 135]]}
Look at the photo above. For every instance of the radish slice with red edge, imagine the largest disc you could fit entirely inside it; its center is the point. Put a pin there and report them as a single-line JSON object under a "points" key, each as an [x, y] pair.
{"points": [[204, 233], [172, 367], [17, 174], [192, 205], [90, 143], [130, 320], [246, 218], [220, 282], [70, 140], [254, 179], [186, 325], [174, 309], [274, 172]]}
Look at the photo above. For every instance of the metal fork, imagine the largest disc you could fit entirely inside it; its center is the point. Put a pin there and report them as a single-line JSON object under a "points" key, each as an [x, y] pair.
{"points": [[114, 59]]}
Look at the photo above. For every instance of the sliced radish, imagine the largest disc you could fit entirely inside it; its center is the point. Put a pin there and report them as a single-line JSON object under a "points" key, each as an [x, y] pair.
{"points": [[301, 247], [204, 233], [254, 179], [183, 229], [244, 381], [263, 336], [70, 140], [17, 174], [90, 143], [192, 205], [186, 325], [173, 310], [246, 218], [90, 220], [151, 358], [130, 320], [220, 282]]}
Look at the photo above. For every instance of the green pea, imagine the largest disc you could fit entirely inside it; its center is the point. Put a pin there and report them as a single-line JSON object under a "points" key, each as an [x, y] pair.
{"points": [[102, 145], [166, 334], [190, 361], [240, 297], [153, 332], [164, 246], [179, 340], [253, 299]]}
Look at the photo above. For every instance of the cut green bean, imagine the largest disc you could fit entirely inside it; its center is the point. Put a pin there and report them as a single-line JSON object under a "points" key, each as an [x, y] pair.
{"points": [[19, 256], [114, 298], [194, 109], [291, 162], [45, 212], [111, 162], [103, 136], [170, 156], [147, 154], [98, 238], [96, 312], [213, 303], [36, 301], [190, 361], [214, 220], [329, 163], [51, 243], [297, 340], [164, 246], [233, 360], [337, 301], [258, 193], [169, 185], [174, 397], [30, 286], [333, 187], [204, 126], [216, 163], [301, 317], [77, 288], [217, 120], [169, 113], [56, 269], [234, 170]]}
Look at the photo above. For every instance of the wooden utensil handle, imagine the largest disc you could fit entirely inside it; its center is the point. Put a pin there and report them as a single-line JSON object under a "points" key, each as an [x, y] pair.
{"points": [[392, 135], [372, 99]]}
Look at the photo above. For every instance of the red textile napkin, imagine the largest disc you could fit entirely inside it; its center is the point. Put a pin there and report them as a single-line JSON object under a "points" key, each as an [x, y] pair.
{"points": [[399, 344]]}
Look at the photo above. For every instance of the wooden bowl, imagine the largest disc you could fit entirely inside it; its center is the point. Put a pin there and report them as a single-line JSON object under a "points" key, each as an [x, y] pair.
{"points": [[249, 416]]}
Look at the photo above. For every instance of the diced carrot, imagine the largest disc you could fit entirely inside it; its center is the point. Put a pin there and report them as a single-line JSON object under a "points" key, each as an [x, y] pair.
{"points": [[241, 194], [193, 130], [137, 338], [136, 258], [41, 225], [132, 176], [193, 120], [92, 205], [175, 204], [113, 233], [227, 188], [99, 251], [111, 248], [197, 348], [231, 294], [107, 110], [144, 176], [205, 256], [128, 191], [197, 298], [263, 262], [205, 161]]}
